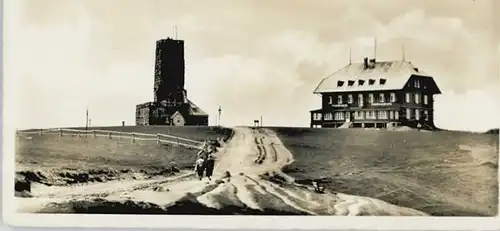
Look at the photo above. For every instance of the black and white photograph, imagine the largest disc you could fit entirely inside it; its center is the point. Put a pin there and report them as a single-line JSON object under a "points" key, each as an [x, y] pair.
{"points": [[233, 109]]}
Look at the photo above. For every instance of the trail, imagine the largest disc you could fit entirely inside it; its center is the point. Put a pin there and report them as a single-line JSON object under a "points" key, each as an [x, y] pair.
{"points": [[253, 157]]}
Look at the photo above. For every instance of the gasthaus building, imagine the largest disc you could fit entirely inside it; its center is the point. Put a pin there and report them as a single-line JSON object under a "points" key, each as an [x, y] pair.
{"points": [[374, 94]]}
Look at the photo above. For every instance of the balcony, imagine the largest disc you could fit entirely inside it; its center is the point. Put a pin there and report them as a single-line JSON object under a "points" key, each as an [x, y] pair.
{"points": [[340, 105], [381, 104]]}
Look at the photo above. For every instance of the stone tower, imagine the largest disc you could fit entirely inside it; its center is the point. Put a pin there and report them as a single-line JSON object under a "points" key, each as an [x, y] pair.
{"points": [[169, 72]]}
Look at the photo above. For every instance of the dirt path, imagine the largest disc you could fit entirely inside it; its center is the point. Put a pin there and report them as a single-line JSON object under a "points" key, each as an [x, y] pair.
{"points": [[254, 158]]}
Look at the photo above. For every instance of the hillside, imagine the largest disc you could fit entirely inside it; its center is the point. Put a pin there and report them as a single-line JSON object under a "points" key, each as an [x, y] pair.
{"points": [[440, 173], [54, 160]]}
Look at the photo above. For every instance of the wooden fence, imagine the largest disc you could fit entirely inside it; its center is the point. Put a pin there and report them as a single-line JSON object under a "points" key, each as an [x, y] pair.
{"points": [[133, 136]]}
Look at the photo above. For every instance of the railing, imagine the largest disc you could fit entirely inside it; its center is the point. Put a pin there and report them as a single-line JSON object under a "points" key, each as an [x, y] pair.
{"points": [[133, 136]]}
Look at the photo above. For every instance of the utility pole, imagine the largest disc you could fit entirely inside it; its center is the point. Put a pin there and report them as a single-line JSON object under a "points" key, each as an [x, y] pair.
{"points": [[86, 119], [220, 111]]}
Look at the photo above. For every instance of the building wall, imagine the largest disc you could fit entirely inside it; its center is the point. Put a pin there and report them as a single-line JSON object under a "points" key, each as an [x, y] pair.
{"points": [[412, 105]]}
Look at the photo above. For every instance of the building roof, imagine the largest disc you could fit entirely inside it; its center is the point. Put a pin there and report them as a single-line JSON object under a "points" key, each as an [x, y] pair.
{"points": [[194, 110], [389, 75]]}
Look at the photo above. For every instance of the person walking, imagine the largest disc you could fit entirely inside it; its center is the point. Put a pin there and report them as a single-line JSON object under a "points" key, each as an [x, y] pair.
{"points": [[199, 167], [209, 165]]}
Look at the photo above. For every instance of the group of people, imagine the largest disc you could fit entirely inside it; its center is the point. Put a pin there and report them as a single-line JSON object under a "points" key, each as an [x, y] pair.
{"points": [[205, 162]]}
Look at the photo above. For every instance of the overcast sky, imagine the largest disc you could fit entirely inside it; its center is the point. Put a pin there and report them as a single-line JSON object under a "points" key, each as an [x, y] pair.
{"points": [[251, 57]]}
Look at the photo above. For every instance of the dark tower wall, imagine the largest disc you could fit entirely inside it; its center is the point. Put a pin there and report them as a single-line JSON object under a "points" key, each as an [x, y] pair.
{"points": [[169, 71]]}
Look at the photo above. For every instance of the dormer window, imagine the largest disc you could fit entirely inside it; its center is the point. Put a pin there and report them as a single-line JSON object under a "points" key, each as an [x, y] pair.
{"points": [[371, 81], [350, 83], [339, 99], [361, 82], [340, 83], [382, 81]]}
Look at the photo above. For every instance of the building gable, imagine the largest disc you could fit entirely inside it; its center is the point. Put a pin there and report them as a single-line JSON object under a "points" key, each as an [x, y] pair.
{"points": [[178, 119], [425, 83]]}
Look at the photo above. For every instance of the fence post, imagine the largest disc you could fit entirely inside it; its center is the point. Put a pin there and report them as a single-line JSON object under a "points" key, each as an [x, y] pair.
{"points": [[78, 134], [133, 137], [60, 132], [41, 132], [109, 135], [158, 140], [177, 138], [93, 133]]}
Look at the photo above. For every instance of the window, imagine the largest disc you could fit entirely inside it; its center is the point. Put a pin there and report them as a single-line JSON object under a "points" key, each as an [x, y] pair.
{"points": [[317, 116], [417, 83], [417, 114], [426, 100], [426, 115], [340, 83], [370, 98], [407, 98], [371, 81], [360, 99], [417, 98], [339, 99], [328, 116], [382, 81], [370, 115], [396, 115], [350, 83], [359, 115], [381, 97], [408, 114], [330, 100], [339, 116], [382, 115], [361, 82], [391, 115], [350, 98], [393, 97]]}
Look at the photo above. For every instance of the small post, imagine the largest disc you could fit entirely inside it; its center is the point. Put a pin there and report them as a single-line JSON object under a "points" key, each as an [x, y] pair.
{"points": [[78, 134], [94, 134], [178, 143], [158, 140], [133, 137], [109, 135], [41, 132], [60, 132]]}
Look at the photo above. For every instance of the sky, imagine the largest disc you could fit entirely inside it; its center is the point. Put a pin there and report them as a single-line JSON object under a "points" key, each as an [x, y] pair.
{"points": [[253, 58]]}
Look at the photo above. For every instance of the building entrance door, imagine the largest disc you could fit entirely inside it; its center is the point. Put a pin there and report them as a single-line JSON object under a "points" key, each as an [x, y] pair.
{"points": [[347, 116]]}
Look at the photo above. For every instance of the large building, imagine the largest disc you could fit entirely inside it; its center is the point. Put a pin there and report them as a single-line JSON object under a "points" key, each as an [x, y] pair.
{"points": [[171, 105], [375, 94]]}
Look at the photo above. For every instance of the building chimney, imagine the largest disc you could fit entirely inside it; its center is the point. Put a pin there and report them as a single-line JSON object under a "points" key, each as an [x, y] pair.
{"points": [[366, 62]]}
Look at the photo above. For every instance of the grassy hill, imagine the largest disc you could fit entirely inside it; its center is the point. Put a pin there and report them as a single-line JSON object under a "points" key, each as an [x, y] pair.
{"points": [[441, 173], [54, 160]]}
